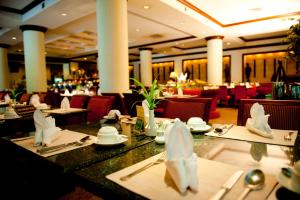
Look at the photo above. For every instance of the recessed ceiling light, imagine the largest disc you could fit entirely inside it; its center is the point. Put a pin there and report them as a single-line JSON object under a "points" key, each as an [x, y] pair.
{"points": [[45, 53], [20, 50], [176, 43], [182, 45], [137, 30], [14, 38], [84, 58], [228, 43], [64, 14], [203, 32], [146, 7]]}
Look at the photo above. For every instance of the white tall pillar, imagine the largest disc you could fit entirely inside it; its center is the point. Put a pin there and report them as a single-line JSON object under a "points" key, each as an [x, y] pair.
{"points": [[35, 60], [214, 59], [146, 66], [136, 71], [4, 71], [178, 66], [66, 70], [112, 45]]}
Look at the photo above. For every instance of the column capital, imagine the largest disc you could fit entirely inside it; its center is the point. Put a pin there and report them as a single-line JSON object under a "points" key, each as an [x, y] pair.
{"points": [[33, 28], [214, 37], [2, 45], [146, 48]]}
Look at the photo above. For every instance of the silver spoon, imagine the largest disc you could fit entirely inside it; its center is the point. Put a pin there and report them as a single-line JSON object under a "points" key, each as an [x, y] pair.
{"points": [[254, 180]]}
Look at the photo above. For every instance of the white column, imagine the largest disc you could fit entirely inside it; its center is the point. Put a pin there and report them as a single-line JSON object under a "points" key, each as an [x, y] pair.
{"points": [[66, 70], [214, 59], [112, 32], [178, 66], [136, 71], [35, 60], [146, 66], [4, 71]]}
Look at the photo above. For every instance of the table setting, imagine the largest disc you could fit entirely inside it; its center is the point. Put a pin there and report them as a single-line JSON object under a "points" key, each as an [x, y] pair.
{"points": [[178, 173], [257, 129]]}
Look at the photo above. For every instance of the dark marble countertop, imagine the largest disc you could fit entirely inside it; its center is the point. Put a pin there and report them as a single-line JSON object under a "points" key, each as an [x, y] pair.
{"points": [[88, 166]]}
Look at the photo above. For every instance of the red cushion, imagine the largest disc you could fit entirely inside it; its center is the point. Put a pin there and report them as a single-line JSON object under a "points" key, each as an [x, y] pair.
{"points": [[193, 91]]}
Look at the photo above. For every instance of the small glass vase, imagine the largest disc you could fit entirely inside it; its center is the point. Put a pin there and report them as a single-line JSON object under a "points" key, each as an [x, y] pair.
{"points": [[151, 128]]}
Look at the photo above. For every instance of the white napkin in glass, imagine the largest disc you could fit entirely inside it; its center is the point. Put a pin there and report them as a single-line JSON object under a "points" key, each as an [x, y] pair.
{"points": [[46, 131], [258, 123], [65, 104], [7, 98], [181, 160]]}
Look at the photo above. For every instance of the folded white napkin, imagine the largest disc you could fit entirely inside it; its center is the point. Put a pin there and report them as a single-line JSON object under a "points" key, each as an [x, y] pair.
{"points": [[7, 98], [258, 123], [114, 113], [65, 104], [34, 100], [67, 92], [182, 78], [46, 131], [181, 160]]}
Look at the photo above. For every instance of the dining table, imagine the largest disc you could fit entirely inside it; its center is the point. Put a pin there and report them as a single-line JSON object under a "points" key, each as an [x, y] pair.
{"points": [[96, 168]]}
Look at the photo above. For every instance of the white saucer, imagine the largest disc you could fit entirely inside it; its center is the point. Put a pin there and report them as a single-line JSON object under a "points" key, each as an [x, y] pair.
{"points": [[107, 117], [206, 128], [122, 140], [286, 182]]}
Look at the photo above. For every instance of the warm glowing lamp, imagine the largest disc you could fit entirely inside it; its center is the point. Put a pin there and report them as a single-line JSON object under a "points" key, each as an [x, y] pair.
{"points": [[173, 75]]}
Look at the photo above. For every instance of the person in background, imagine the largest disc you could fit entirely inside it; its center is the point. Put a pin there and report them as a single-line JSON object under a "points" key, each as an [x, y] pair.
{"points": [[248, 72]]}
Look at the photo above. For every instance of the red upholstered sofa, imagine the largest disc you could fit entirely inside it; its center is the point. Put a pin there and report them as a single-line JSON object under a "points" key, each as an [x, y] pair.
{"points": [[192, 91]]}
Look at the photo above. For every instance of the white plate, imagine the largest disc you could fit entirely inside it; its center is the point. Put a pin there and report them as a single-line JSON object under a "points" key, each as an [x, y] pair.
{"points": [[206, 128], [122, 140]]}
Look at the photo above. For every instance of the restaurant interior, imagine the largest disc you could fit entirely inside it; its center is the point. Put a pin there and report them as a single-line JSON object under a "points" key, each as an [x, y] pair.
{"points": [[150, 99]]}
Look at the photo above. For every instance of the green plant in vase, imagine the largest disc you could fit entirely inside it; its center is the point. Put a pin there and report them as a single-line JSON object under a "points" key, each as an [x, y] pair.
{"points": [[151, 97]]}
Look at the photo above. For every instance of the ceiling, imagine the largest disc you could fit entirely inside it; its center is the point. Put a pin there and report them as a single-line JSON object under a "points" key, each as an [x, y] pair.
{"points": [[170, 27]]}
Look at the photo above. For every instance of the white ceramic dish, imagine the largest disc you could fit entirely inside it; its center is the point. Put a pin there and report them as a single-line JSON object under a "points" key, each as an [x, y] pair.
{"points": [[205, 128], [112, 143]]}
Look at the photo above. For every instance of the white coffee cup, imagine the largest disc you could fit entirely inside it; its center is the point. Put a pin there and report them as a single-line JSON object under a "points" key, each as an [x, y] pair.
{"points": [[108, 135], [196, 123]]}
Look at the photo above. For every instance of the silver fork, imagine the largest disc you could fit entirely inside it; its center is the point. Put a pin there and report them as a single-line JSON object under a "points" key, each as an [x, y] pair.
{"points": [[161, 159]]}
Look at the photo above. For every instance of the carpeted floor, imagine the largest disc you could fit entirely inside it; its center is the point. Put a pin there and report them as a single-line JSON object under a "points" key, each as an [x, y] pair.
{"points": [[227, 116]]}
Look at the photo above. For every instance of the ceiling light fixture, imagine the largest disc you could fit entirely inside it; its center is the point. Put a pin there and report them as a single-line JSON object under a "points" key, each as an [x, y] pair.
{"points": [[64, 14], [14, 38], [146, 7], [228, 43], [84, 58], [137, 30]]}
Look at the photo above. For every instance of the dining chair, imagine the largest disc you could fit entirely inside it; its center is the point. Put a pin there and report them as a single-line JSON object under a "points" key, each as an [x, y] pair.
{"points": [[240, 92], [185, 108], [25, 97], [130, 102], [212, 93], [98, 107], [223, 96], [284, 114], [118, 102]]}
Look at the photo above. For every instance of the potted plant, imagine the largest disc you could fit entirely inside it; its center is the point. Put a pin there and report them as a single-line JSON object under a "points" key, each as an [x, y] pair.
{"points": [[293, 40], [152, 100]]}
